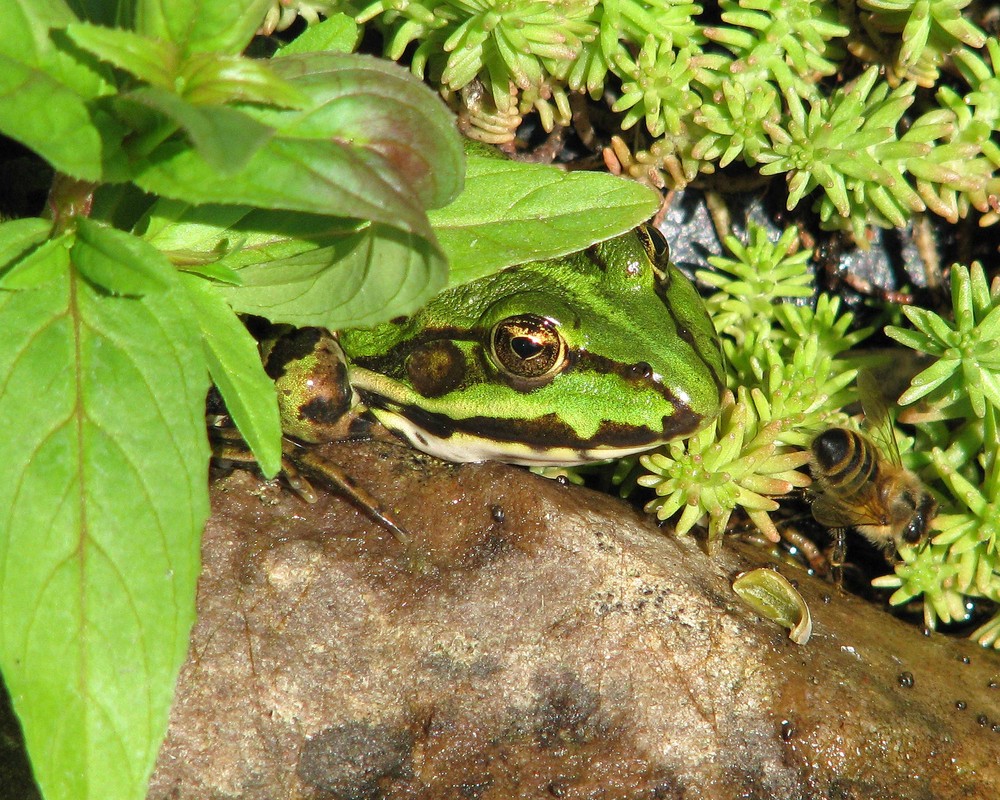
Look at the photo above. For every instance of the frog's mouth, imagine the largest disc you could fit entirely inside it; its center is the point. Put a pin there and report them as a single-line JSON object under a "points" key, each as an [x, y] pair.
{"points": [[543, 441]]}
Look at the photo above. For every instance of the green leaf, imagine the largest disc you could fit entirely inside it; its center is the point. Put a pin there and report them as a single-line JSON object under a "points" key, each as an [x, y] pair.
{"points": [[53, 120], [104, 495], [119, 262], [511, 212], [213, 271], [152, 60], [201, 26], [176, 226], [31, 37], [338, 33], [373, 144], [383, 110], [368, 277], [18, 236], [237, 235], [45, 92], [210, 78], [38, 266], [236, 369], [225, 137]]}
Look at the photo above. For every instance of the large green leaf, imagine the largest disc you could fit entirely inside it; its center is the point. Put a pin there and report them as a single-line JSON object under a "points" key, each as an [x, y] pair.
{"points": [[382, 109], [45, 92], [236, 369], [367, 277], [373, 144], [338, 32], [154, 61], [201, 26], [118, 262], [103, 492], [225, 137], [511, 212]]}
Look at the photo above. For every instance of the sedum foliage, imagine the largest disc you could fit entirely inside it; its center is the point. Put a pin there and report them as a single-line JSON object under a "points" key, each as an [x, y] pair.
{"points": [[788, 384], [956, 403], [784, 386], [871, 109]]}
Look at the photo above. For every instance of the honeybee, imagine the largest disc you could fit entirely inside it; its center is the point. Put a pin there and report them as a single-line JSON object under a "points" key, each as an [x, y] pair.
{"points": [[863, 485]]}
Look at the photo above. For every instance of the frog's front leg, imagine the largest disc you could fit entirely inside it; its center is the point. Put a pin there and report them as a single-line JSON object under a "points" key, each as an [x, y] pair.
{"points": [[316, 401], [317, 404]]}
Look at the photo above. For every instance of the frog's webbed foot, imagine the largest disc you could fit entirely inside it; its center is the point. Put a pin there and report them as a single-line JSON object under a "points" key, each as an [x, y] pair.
{"points": [[298, 462]]}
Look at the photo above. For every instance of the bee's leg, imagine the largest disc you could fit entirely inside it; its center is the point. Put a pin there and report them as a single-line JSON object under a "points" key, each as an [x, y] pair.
{"points": [[320, 469], [807, 547], [838, 556]]}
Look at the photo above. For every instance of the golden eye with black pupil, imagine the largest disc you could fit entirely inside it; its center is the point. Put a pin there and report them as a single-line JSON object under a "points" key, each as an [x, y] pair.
{"points": [[528, 347]]}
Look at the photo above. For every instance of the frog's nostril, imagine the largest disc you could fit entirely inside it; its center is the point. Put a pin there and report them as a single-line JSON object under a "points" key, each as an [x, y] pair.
{"points": [[640, 370]]}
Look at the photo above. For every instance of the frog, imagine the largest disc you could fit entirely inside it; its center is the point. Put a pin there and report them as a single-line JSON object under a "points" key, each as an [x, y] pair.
{"points": [[596, 355]]}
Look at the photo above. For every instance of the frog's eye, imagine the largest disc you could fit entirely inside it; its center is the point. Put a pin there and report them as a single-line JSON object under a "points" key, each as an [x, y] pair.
{"points": [[656, 244], [528, 348]]}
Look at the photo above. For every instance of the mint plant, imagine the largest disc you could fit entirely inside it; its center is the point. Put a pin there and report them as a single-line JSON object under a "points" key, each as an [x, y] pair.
{"points": [[193, 184]]}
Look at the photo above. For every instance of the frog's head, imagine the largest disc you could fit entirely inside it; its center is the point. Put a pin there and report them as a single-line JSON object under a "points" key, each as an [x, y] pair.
{"points": [[595, 355]]}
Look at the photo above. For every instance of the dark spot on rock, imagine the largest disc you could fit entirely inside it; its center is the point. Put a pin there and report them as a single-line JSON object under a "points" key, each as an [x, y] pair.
{"points": [[787, 730], [485, 667], [473, 791], [565, 712], [348, 761], [492, 548]]}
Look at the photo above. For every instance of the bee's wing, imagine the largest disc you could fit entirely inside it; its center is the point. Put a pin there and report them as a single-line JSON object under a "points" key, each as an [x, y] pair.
{"points": [[831, 513], [834, 513], [877, 416]]}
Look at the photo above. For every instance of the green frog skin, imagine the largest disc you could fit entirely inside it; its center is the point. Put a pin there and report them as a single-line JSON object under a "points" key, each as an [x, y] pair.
{"points": [[596, 355]]}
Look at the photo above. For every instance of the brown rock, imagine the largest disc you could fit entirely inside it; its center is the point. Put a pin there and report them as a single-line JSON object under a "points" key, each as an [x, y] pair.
{"points": [[539, 640]]}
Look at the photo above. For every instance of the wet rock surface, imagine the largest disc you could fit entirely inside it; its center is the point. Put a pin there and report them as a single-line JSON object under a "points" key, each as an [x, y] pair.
{"points": [[539, 640]]}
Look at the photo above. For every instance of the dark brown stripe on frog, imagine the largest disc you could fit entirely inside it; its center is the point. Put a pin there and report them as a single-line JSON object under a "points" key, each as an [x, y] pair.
{"points": [[539, 434], [594, 256]]}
